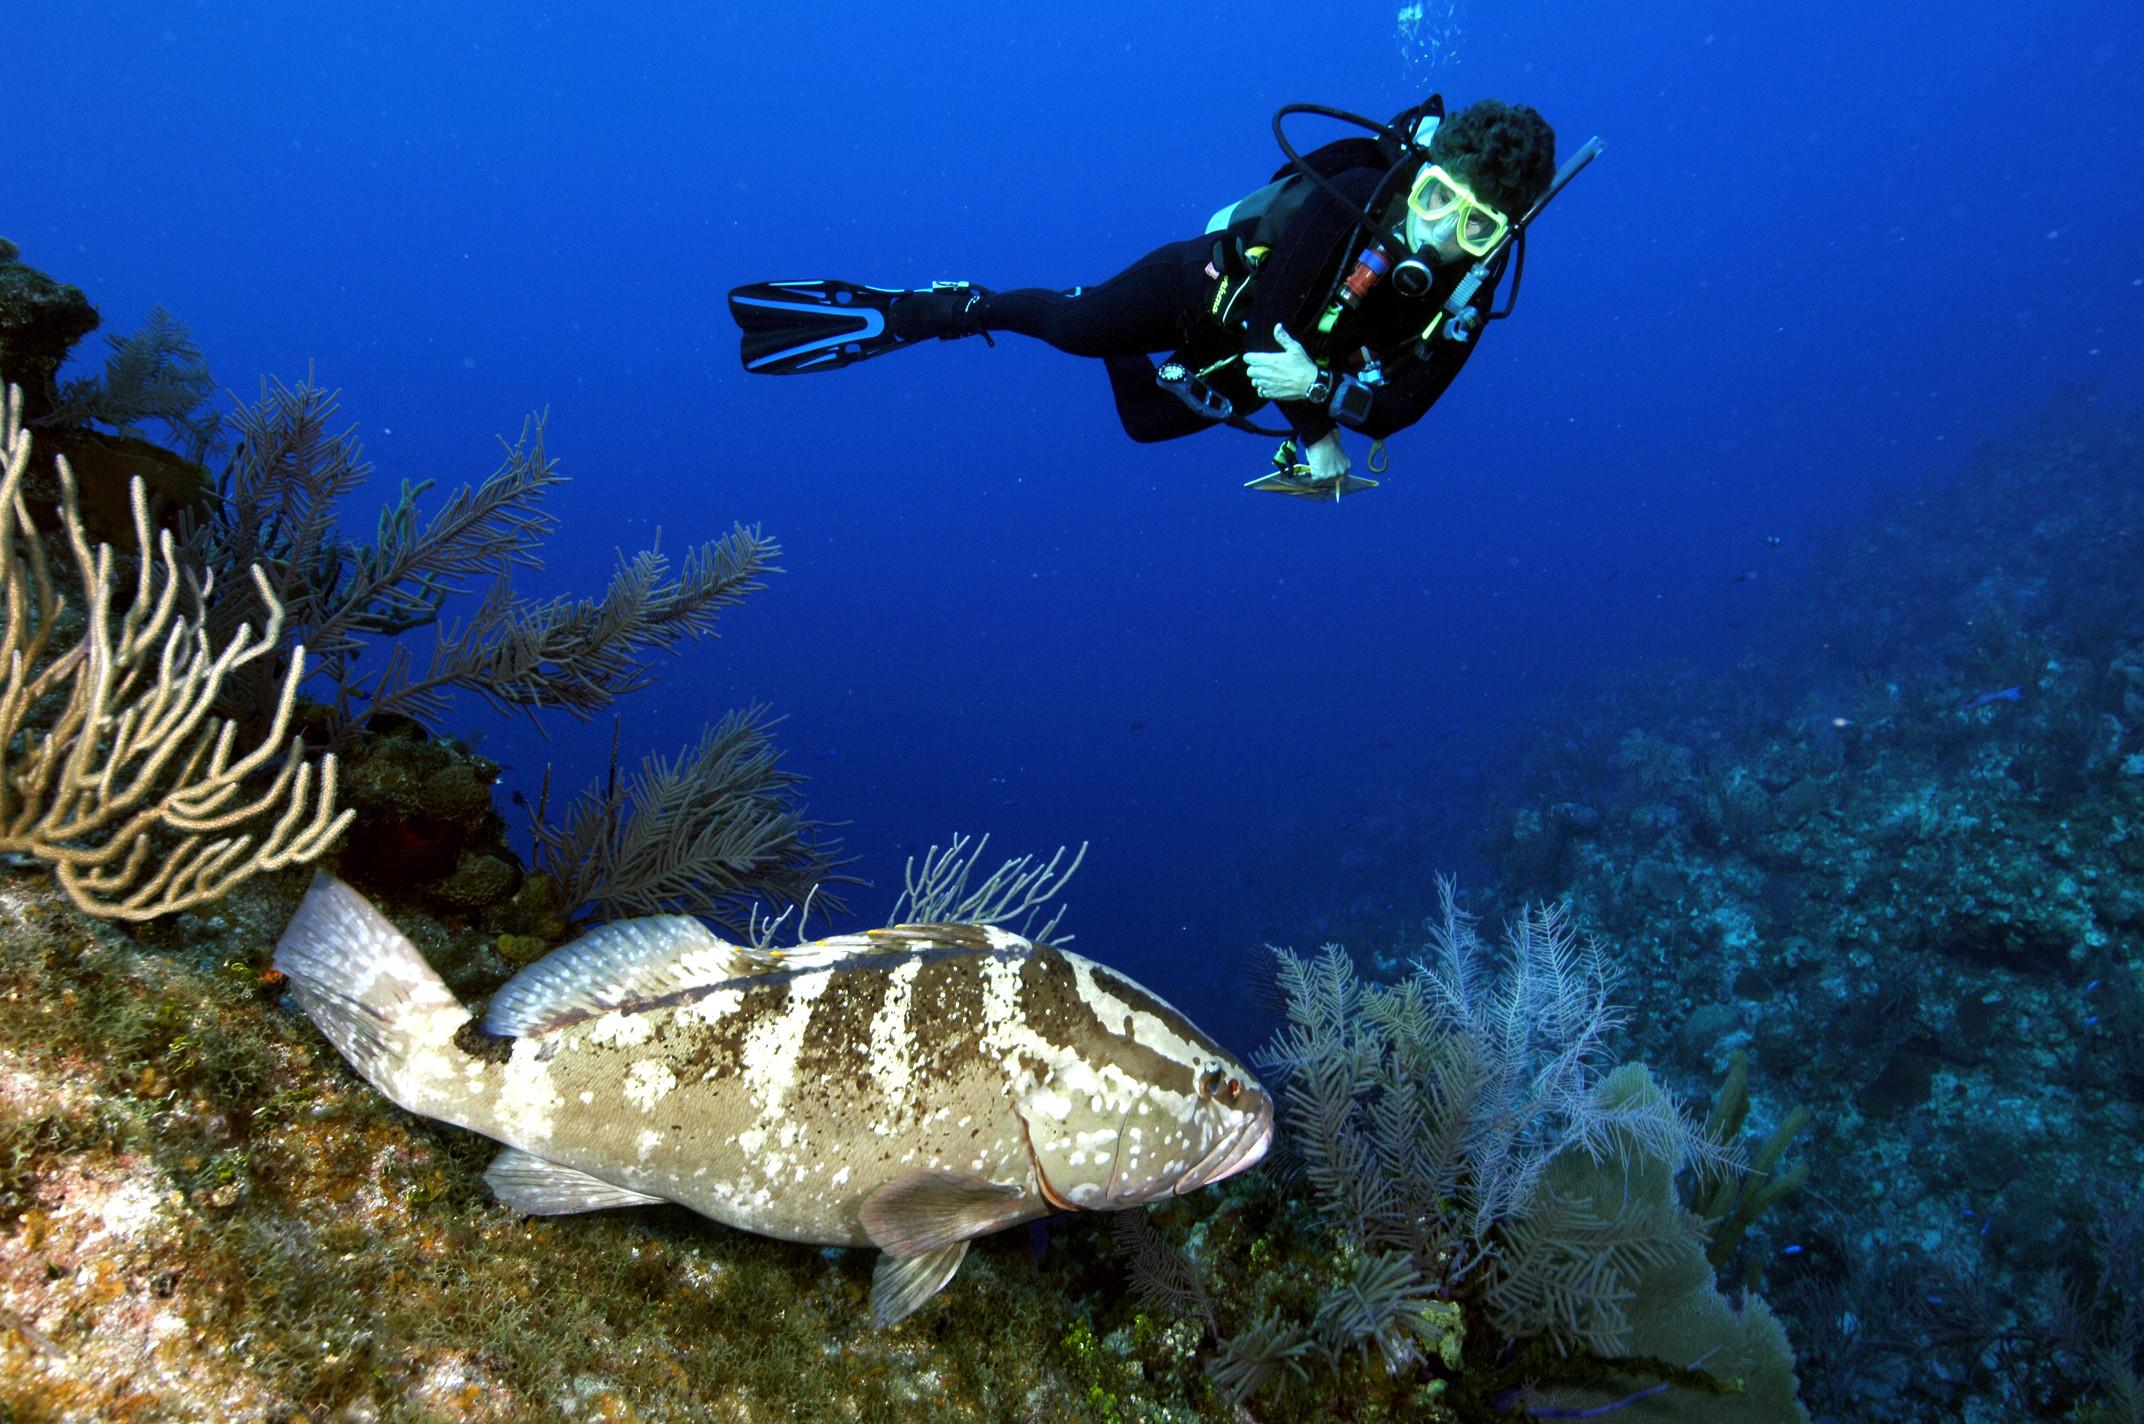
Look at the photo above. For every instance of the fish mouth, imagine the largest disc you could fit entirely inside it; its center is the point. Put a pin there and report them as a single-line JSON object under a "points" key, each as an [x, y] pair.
{"points": [[1239, 1150]]}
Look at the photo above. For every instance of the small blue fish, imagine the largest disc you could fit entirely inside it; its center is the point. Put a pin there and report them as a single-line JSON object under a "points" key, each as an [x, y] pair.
{"points": [[2007, 694]]}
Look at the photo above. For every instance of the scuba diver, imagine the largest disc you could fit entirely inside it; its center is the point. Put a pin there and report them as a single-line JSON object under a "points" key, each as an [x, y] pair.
{"points": [[1348, 292]]}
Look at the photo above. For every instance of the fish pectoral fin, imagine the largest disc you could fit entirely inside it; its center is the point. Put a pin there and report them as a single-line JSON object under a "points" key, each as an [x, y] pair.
{"points": [[540, 1187], [926, 1212], [901, 1285]]}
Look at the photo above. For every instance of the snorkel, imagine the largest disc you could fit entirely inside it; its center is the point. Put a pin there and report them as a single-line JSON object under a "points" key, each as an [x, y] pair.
{"points": [[1446, 197], [1460, 318], [1380, 224]]}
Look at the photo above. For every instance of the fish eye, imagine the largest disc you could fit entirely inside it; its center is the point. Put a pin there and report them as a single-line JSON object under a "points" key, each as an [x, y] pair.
{"points": [[1216, 1082]]}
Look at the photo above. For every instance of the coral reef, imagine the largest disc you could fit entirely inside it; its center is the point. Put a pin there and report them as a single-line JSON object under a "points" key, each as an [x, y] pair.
{"points": [[1897, 866], [155, 374], [1503, 1210], [115, 772], [40, 321], [1885, 885], [426, 827]]}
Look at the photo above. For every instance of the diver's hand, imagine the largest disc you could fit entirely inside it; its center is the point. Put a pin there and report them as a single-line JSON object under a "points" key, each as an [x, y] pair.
{"points": [[1327, 460], [1286, 374]]}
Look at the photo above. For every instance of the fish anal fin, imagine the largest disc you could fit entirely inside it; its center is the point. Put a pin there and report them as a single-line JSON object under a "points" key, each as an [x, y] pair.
{"points": [[902, 1285], [928, 1211], [541, 1187]]}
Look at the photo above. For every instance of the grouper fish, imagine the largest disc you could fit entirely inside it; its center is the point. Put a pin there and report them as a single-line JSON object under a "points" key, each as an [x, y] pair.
{"points": [[909, 1088]]}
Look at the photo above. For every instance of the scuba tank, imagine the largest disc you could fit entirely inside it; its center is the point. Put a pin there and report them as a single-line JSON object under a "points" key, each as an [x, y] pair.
{"points": [[1251, 207]]}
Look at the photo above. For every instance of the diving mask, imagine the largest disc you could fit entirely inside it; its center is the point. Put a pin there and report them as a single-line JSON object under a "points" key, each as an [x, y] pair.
{"points": [[1445, 203]]}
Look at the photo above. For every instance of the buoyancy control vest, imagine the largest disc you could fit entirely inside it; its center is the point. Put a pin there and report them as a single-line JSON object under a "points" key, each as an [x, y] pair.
{"points": [[1243, 234]]}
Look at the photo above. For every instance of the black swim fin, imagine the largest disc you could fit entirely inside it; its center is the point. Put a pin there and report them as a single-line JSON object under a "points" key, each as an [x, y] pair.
{"points": [[793, 327]]}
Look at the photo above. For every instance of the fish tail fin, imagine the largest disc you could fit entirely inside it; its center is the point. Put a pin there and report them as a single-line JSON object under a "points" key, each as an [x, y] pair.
{"points": [[366, 987]]}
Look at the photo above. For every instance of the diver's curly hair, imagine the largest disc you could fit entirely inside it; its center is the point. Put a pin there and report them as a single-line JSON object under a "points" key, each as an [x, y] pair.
{"points": [[1507, 152]]}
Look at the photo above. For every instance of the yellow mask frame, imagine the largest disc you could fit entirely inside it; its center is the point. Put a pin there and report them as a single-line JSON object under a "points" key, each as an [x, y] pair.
{"points": [[1438, 197]]}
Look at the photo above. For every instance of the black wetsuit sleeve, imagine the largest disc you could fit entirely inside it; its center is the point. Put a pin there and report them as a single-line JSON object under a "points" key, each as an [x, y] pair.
{"points": [[1297, 278], [1408, 395]]}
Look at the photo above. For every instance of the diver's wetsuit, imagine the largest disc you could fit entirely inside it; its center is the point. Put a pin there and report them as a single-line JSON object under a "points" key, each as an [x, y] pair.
{"points": [[1159, 304], [1144, 308]]}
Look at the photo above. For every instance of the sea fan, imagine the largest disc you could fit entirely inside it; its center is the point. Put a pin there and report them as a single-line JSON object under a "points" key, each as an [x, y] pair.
{"points": [[1162, 1278], [706, 833], [1427, 1114], [1250, 1361], [1388, 1302], [156, 374]]}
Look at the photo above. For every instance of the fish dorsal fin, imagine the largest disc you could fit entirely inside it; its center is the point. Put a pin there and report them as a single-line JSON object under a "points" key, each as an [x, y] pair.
{"points": [[819, 954], [631, 961], [895, 939], [625, 962], [938, 935]]}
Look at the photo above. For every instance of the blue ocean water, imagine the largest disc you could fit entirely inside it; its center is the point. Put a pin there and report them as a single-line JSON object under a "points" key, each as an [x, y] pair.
{"points": [[1828, 248]]}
